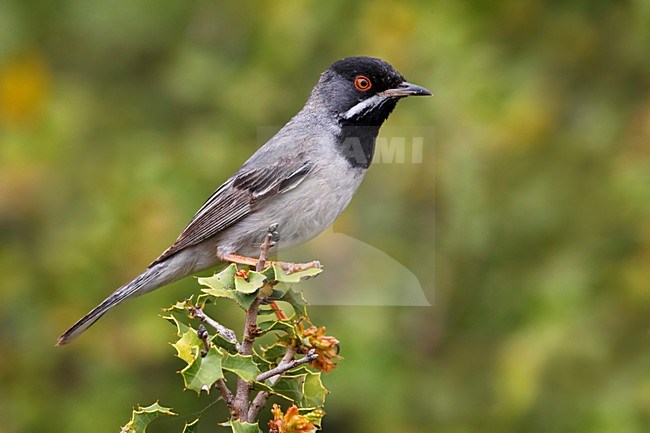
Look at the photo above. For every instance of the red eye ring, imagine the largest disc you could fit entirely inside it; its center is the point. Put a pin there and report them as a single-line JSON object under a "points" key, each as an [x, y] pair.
{"points": [[362, 83]]}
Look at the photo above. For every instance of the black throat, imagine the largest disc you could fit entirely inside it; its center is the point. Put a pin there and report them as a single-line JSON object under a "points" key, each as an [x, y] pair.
{"points": [[356, 141], [357, 144]]}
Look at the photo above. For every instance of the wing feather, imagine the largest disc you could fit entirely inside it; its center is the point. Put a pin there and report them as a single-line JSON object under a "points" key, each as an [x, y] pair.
{"points": [[237, 198]]}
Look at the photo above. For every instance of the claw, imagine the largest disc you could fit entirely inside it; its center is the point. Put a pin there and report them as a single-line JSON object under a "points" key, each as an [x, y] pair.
{"points": [[273, 235]]}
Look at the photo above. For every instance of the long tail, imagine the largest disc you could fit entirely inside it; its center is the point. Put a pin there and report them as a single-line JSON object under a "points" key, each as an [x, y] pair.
{"points": [[151, 279]]}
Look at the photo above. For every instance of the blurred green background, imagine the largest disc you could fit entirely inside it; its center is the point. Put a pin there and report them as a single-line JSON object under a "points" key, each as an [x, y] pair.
{"points": [[117, 119]]}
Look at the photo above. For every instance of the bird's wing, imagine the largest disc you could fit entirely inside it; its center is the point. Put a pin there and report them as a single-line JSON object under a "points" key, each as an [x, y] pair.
{"points": [[237, 198]]}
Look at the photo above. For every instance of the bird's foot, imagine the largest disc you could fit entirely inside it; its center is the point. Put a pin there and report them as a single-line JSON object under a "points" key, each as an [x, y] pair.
{"points": [[270, 240]]}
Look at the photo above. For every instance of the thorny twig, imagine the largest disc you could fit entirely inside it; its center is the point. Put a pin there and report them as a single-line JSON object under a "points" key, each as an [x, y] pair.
{"points": [[226, 395], [226, 333], [250, 331], [202, 333], [238, 404], [283, 368], [260, 399]]}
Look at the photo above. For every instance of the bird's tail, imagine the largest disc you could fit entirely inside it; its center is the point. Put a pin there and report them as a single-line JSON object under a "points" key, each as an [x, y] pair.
{"points": [[149, 280]]}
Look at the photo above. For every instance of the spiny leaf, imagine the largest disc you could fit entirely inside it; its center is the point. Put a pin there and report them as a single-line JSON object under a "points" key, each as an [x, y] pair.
{"points": [[222, 343], [179, 306], [278, 292], [142, 416], [176, 315], [242, 299], [242, 427], [242, 365], [274, 352], [294, 277], [249, 285], [203, 372], [181, 327], [262, 387], [276, 325], [191, 427], [221, 280], [303, 387], [297, 302], [188, 346], [290, 387], [265, 311], [314, 392]]}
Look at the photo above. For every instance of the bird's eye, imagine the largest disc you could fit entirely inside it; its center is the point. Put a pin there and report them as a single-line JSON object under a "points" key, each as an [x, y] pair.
{"points": [[362, 83]]}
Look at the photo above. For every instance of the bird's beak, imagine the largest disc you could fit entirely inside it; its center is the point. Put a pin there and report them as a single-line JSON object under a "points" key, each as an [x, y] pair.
{"points": [[407, 89]]}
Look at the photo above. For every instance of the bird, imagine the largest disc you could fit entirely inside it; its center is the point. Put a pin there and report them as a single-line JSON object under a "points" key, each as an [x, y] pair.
{"points": [[297, 183]]}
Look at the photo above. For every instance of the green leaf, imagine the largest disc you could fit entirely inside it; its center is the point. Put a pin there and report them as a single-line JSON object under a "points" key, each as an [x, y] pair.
{"points": [[221, 280], [178, 306], [242, 427], [262, 387], [242, 365], [290, 387], [304, 388], [274, 352], [141, 417], [314, 392], [249, 285], [269, 272], [297, 302], [175, 313], [242, 299], [276, 325], [203, 372], [222, 343], [181, 327], [295, 277], [191, 427], [188, 346], [265, 311]]}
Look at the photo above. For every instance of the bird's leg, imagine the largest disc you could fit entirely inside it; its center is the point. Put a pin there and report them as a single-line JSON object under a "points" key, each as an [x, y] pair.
{"points": [[240, 260], [270, 240]]}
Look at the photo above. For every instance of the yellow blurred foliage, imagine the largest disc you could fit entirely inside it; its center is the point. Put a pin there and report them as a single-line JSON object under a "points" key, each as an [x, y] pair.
{"points": [[24, 83], [520, 366]]}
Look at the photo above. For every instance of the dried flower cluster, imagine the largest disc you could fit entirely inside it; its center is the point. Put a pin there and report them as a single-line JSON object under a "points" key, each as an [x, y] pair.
{"points": [[291, 422], [325, 346]]}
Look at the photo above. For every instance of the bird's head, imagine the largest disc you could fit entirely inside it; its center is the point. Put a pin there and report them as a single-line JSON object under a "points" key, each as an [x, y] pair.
{"points": [[364, 90]]}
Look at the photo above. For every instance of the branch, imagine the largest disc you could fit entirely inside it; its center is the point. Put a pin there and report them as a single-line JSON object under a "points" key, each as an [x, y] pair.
{"points": [[282, 368], [251, 331], [226, 333], [226, 395], [260, 399], [203, 335]]}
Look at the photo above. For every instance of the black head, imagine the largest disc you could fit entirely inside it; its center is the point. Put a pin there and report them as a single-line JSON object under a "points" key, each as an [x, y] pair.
{"points": [[364, 90], [361, 92]]}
